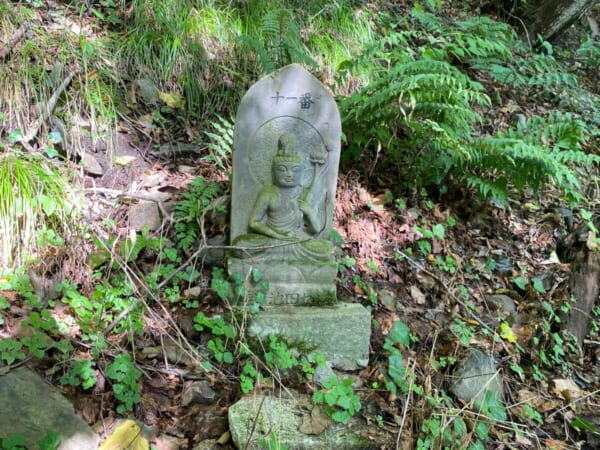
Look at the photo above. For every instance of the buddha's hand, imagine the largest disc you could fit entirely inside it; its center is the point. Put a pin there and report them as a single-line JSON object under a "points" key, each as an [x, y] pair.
{"points": [[284, 234], [304, 206]]}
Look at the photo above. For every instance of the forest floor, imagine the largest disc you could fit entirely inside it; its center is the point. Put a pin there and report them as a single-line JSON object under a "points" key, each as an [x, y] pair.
{"points": [[490, 278]]}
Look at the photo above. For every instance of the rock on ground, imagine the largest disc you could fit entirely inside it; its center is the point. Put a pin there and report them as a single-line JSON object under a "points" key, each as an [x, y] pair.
{"points": [[32, 407]]}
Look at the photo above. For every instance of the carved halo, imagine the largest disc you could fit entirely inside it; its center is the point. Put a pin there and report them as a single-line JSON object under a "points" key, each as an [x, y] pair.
{"points": [[263, 147]]}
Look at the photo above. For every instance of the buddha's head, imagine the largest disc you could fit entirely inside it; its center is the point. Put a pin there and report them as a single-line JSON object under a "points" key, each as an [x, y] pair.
{"points": [[287, 163]]}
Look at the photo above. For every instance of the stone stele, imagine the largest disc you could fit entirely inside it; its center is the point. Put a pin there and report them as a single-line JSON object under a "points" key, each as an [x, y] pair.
{"points": [[285, 166]]}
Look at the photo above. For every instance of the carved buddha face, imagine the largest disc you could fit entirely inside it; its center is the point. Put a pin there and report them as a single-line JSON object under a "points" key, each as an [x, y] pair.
{"points": [[287, 173]]}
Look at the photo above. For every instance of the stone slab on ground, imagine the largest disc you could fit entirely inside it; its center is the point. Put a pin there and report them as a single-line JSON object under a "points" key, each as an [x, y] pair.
{"points": [[341, 332], [475, 376], [32, 407], [294, 422]]}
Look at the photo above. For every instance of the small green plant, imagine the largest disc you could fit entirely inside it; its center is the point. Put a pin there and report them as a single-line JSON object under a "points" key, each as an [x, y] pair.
{"points": [[125, 377], [278, 355], [447, 264], [222, 333], [11, 350], [13, 442], [339, 397], [17, 441], [593, 240], [188, 212], [398, 377], [81, 373], [464, 331], [249, 290], [34, 198], [248, 376]]}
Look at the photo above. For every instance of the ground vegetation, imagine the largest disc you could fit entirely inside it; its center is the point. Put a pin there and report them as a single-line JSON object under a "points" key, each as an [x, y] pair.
{"points": [[467, 201]]}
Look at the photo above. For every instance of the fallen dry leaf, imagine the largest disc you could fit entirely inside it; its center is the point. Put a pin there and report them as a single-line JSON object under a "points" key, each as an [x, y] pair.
{"points": [[567, 389], [417, 295], [553, 444], [127, 435]]}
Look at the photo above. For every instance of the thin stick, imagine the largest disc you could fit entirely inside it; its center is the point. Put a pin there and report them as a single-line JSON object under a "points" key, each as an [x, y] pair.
{"points": [[447, 289], [47, 110], [14, 39], [405, 409]]}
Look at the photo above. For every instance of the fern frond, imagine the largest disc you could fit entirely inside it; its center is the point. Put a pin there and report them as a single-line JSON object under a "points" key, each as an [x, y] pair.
{"points": [[544, 149], [221, 144], [188, 211], [278, 41]]}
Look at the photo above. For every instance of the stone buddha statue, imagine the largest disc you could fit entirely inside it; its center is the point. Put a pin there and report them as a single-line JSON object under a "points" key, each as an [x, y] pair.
{"points": [[283, 226]]}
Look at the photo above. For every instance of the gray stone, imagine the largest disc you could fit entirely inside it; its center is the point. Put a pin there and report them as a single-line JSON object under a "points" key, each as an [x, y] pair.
{"points": [[323, 373], [144, 213], [341, 332], [502, 302], [32, 407], [171, 150], [388, 299], [296, 424], [148, 90], [475, 376], [198, 392], [215, 254], [91, 166], [166, 442], [285, 165]]}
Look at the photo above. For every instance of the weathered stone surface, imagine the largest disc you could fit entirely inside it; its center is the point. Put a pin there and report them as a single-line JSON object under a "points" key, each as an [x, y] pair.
{"points": [[341, 332], [144, 213], [282, 418], [475, 376], [285, 164], [32, 407]]}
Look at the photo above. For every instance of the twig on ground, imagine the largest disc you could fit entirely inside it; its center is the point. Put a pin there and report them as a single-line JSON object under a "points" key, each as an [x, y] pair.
{"points": [[14, 39], [135, 281], [118, 193], [405, 409], [247, 444], [593, 26], [447, 289], [47, 110]]}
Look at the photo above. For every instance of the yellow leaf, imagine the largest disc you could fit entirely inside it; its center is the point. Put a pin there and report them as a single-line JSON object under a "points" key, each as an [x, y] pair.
{"points": [[506, 333], [172, 100], [127, 435], [124, 160]]}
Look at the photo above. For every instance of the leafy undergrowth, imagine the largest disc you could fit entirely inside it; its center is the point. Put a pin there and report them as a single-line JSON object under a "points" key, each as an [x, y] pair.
{"points": [[439, 278], [136, 330]]}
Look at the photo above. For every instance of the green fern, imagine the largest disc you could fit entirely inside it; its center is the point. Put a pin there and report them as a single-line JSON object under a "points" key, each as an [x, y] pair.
{"points": [[421, 106], [221, 145], [278, 42], [542, 150], [420, 110], [189, 210]]}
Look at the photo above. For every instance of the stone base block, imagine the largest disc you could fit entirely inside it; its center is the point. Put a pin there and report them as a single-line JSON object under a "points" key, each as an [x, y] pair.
{"points": [[341, 332], [290, 284]]}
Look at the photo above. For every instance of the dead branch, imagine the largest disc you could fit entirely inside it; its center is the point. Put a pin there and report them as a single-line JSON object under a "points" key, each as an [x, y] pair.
{"points": [[14, 39], [593, 25], [47, 110]]}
